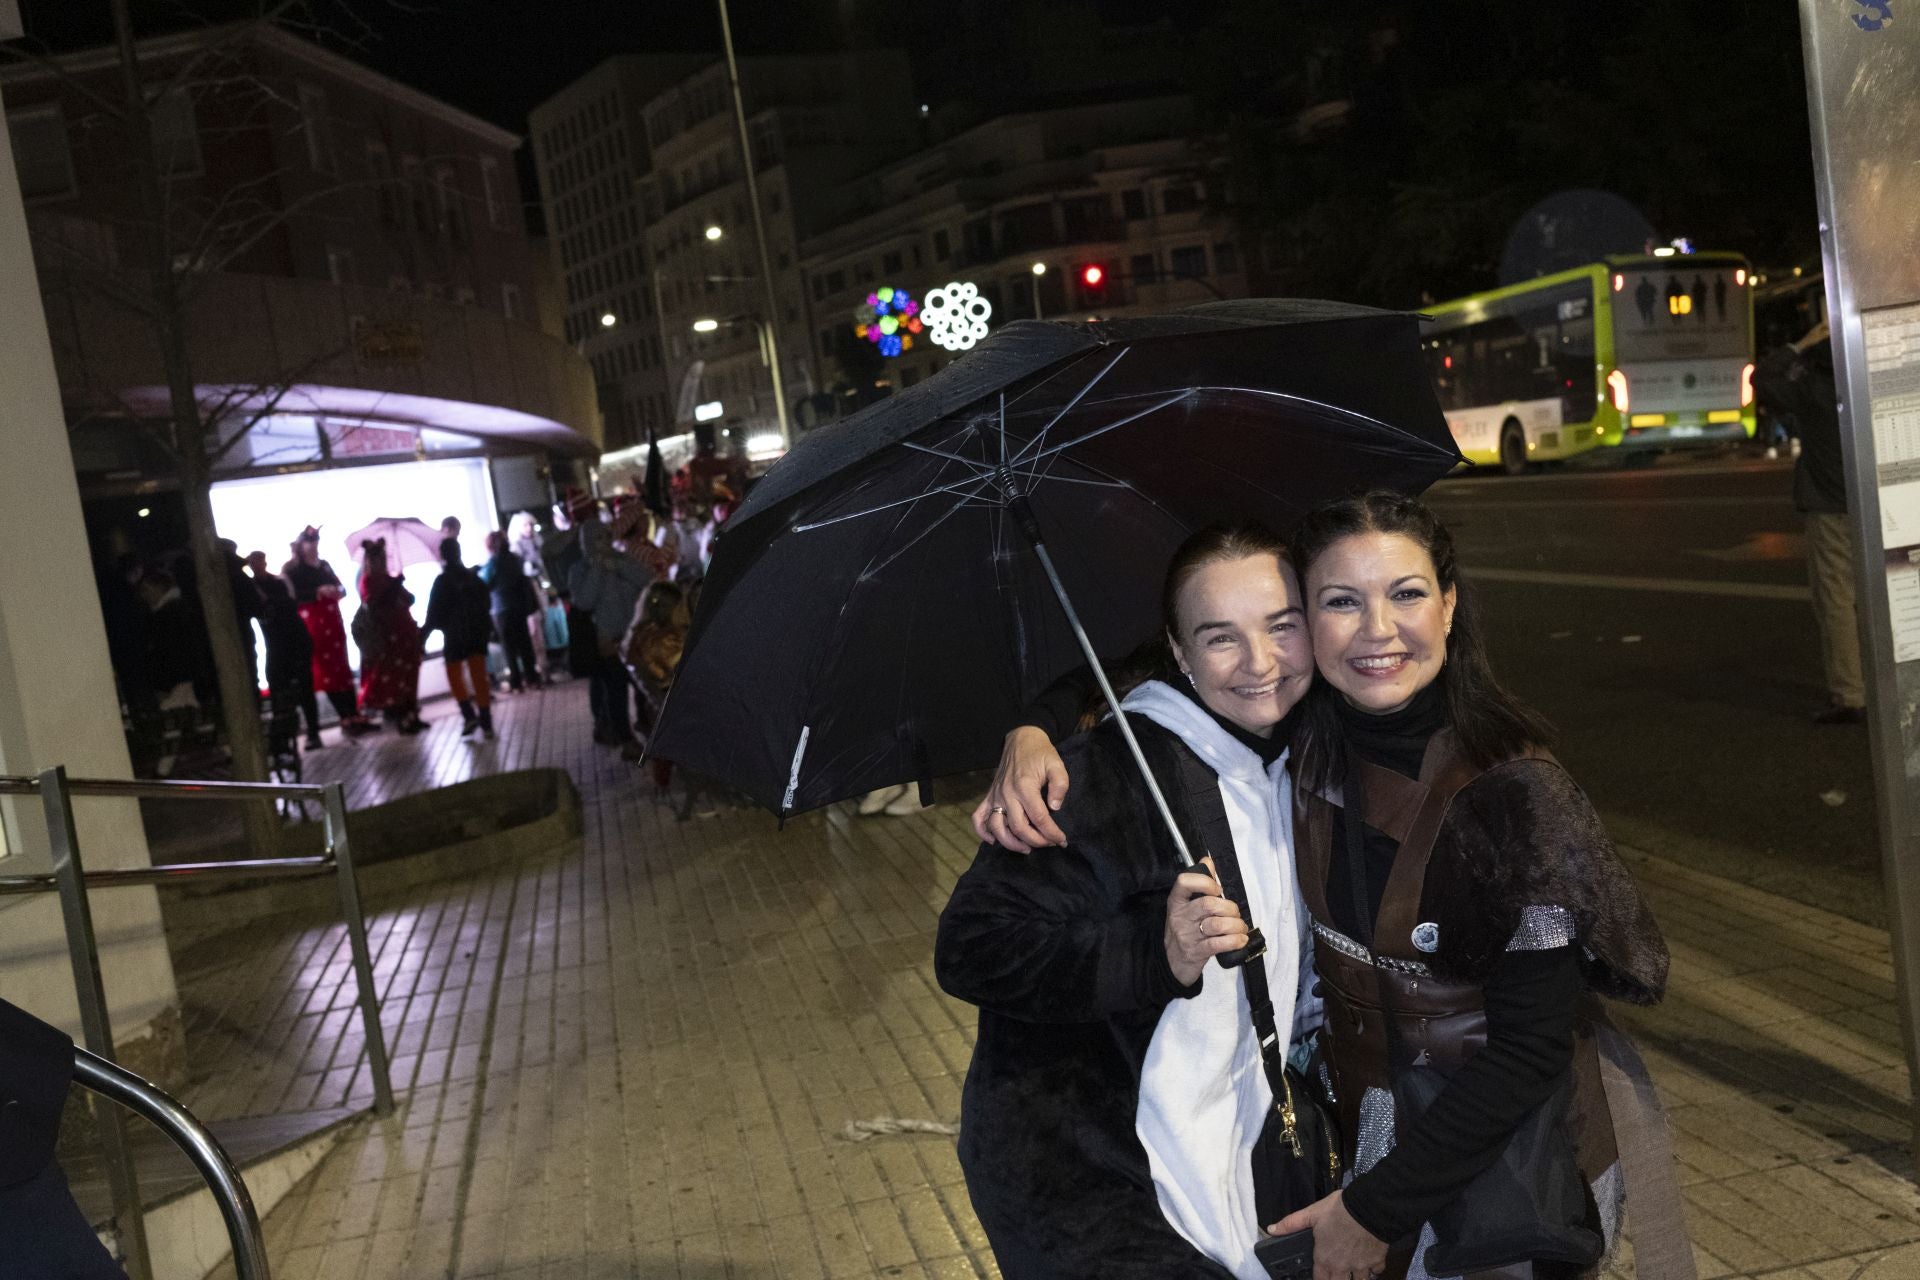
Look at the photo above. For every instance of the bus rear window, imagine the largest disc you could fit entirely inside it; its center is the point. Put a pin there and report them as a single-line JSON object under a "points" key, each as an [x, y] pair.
{"points": [[1681, 312]]}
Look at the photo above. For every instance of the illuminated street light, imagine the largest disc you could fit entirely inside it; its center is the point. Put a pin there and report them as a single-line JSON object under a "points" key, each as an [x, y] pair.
{"points": [[608, 320], [714, 232], [707, 412], [1039, 268], [705, 326]]}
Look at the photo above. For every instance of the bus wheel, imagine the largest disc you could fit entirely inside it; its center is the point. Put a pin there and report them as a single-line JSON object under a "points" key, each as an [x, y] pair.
{"points": [[1513, 448]]}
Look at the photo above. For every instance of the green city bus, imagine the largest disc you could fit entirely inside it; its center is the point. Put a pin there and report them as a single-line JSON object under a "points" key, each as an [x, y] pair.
{"points": [[1635, 354]]}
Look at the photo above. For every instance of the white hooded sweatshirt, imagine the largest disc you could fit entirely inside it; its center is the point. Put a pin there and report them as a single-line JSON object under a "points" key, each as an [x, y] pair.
{"points": [[1203, 1095]]}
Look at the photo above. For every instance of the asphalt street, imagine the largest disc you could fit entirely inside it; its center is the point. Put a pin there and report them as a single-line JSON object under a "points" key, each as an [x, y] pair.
{"points": [[1659, 616]]}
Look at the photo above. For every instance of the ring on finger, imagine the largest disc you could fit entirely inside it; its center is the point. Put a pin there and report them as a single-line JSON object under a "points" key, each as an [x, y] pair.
{"points": [[999, 808]]}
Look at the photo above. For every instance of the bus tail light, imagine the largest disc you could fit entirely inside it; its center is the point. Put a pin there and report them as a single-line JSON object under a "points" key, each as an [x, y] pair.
{"points": [[1617, 383], [1746, 386]]}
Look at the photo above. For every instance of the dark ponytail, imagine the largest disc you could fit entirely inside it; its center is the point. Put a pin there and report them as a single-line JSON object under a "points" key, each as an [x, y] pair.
{"points": [[1491, 724]]}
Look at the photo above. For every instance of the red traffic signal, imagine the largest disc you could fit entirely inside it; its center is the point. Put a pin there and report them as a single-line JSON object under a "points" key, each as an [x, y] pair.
{"points": [[1092, 275]]}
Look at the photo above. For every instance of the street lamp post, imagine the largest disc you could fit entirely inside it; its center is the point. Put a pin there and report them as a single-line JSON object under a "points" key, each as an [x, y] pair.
{"points": [[759, 228], [1039, 269]]}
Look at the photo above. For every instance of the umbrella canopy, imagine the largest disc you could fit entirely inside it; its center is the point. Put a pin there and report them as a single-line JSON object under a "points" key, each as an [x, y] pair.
{"points": [[409, 541], [875, 612], [653, 489]]}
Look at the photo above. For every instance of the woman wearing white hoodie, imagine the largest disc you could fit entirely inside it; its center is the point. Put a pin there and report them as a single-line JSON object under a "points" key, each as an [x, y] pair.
{"points": [[1116, 1090]]}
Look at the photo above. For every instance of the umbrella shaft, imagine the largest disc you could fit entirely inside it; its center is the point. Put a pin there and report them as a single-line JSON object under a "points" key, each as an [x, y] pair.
{"points": [[1113, 700]]}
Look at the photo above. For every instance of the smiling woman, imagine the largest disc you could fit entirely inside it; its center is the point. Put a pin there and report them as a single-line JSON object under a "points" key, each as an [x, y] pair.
{"points": [[1115, 1117], [1466, 906], [1380, 619]]}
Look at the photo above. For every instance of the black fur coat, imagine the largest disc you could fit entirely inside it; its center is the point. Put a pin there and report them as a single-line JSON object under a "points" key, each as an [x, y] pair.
{"points": [[1063, 953], [1523, 834]]}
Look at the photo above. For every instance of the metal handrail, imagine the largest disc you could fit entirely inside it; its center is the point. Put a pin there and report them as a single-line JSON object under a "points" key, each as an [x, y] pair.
{"points": [[165, 788], [71, 881], [117, 1084], [177, 872]]}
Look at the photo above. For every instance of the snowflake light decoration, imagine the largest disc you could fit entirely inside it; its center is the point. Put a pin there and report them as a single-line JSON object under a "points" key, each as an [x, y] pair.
{"points": [[957, 315], [889, 319]]}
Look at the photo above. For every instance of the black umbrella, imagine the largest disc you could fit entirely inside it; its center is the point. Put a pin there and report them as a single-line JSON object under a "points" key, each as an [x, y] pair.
{"points": [[653, 489], [884, 602]]}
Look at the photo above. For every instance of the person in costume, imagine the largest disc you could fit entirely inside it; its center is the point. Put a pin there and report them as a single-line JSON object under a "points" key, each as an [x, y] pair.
{"points": [[1496, 910], [390, 671], [1116, 1091], [317, 592]]}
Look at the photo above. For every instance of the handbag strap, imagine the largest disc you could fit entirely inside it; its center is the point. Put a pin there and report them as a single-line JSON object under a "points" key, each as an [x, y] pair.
{"points": [[1204, 806]]}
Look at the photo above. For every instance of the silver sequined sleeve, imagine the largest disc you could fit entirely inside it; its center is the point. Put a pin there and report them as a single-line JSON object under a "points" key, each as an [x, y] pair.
{"points": [[1543, 929]]}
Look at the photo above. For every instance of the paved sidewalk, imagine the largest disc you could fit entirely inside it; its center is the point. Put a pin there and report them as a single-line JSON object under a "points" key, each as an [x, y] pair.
{"points": [[634, 1057]]}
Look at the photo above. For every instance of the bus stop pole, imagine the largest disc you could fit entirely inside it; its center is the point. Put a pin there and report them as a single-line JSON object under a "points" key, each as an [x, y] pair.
{"points": [[1863, 99]]}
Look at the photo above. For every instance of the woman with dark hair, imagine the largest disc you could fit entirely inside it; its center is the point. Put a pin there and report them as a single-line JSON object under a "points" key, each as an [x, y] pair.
{"points": [[1478, 900], [1115, 1098], [390, 643]]}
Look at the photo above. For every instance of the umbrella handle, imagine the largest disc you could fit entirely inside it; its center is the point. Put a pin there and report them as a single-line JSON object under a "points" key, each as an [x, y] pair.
{"points": [[1255, 948]]}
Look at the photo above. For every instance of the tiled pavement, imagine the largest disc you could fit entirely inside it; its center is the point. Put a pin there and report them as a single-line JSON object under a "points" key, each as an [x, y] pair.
{"points": [[634, 1057]]}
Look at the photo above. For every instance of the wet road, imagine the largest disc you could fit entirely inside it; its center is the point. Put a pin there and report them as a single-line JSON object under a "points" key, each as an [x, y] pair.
{"points": [[1660, 617]]}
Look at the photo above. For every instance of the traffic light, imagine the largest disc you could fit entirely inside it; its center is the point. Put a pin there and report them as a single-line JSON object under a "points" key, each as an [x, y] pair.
{"points": [[1094, 278]]}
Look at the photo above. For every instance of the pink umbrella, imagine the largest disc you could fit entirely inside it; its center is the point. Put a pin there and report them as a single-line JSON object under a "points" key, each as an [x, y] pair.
{"points": [[409, 541]]}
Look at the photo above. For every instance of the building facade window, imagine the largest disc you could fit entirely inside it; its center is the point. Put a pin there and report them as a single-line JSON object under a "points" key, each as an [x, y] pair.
{"points": [[1133, 203], [490, 191], [317, 128], [942, 246], [449, 215], [1143, 268], [1226, 259], [41, 152], [1188, 262], [176, 134], [1180, 197], [380, 172], [416, 193], [339, 265]]}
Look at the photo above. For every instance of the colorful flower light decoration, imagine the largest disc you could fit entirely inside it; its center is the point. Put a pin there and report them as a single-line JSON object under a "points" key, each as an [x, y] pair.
{"points": [[889, 319]]}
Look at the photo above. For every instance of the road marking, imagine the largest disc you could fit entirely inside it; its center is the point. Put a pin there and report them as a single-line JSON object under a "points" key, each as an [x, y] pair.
{"points": [[1578, 474], [1615, 582], [1448, 502]]}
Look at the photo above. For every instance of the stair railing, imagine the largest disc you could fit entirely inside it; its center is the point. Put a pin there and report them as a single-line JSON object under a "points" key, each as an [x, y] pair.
{"points": [[71, 881]]}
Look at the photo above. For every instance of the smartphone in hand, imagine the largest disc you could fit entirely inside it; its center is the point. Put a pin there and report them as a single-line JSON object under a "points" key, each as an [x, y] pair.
{"points": [[1288, 1257]]}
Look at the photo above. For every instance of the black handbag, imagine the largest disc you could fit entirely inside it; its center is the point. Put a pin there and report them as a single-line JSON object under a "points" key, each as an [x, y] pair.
{"points": [[1532, 1204], [1297, 1159]]}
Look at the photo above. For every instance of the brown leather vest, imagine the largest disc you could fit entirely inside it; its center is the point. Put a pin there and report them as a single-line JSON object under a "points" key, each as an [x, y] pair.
{"points": [[1446, 1021]]}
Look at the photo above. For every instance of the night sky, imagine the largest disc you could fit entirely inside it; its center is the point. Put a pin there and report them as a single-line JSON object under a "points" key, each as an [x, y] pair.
{"points": [[499, 58]]}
